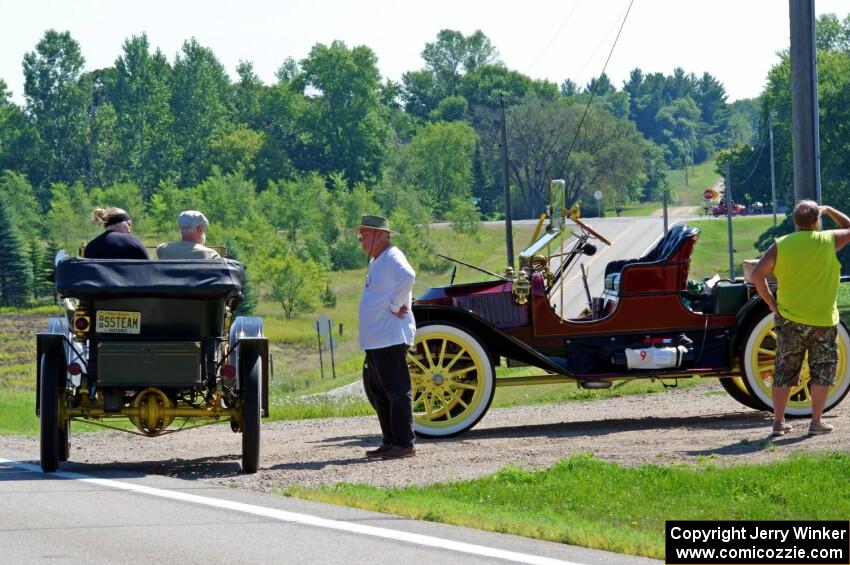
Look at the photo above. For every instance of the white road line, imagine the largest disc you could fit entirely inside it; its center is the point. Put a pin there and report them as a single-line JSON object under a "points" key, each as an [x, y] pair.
{"points": [[306, 519]]}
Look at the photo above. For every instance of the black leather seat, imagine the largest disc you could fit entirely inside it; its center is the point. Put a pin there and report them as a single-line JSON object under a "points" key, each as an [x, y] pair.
{"points": [[666, 247]]}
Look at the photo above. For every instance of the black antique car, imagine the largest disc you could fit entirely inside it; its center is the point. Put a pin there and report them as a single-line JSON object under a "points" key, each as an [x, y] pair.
{"points": [[645, 324], [152, 342]]}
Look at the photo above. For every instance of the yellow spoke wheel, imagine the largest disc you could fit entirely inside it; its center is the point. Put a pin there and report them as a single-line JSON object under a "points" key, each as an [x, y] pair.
{"points": [[737, 389], [759, 357], [452, 380]]}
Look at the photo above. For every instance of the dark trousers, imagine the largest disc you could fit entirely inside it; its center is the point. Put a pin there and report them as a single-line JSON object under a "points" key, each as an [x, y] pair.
{"points": [[387, 384]]}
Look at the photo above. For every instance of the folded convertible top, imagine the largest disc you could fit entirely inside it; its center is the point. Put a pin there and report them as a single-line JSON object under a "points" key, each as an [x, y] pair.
{"points": [[93, 279]]}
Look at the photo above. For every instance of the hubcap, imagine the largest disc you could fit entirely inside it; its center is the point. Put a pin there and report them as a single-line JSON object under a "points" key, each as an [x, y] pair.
{"points": [[447, 378]]}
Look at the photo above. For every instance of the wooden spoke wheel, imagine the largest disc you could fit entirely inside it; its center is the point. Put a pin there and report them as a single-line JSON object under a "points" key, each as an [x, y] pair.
{"points": [[759, 357], [452, 379]]}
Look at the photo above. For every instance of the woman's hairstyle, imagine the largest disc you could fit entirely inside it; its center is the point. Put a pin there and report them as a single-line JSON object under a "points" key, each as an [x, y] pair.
{"points": [[109, 216]]}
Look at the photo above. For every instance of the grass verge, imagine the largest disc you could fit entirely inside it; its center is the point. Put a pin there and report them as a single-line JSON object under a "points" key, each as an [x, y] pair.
{"points": [[591, 503], [711, 254], [700, 177]]}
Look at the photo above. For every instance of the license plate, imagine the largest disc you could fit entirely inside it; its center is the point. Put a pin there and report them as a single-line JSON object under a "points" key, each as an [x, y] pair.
{"points": [[117, 322]]}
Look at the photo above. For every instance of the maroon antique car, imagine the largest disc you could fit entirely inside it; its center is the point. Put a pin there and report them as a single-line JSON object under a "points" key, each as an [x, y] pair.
{"points": [[644, 325], [720, 209]]}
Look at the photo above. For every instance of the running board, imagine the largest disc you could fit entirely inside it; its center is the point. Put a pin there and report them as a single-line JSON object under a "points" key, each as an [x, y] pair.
{"points": [[602, 382]]}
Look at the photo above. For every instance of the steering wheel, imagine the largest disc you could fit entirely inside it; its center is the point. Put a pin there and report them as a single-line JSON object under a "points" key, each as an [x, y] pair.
{"points": [[591, 231]]}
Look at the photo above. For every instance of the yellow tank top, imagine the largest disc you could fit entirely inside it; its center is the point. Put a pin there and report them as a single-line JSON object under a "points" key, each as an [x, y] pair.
{"points": [[807, 275]]}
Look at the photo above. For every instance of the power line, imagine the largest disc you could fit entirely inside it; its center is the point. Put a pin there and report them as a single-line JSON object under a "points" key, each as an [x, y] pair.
{"points": [[592, 94], [761, 144], [602, 42], [755, 165], [557, 33]]}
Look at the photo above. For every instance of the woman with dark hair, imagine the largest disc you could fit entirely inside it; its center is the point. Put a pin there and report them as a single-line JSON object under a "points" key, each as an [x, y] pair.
{"points": [[115, 242]]}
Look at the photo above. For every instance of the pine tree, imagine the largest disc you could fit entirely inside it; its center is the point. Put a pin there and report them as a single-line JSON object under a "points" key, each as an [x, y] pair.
{"points": [[249, 300], [36, 259], [48, 266], [16, 272], [483, 188]]}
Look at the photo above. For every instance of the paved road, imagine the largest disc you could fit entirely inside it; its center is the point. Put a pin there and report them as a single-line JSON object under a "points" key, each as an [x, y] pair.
{"points": [[630, 237], [110, 517]]}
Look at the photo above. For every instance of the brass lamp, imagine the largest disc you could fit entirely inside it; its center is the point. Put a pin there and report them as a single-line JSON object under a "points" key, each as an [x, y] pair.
{"points": [[521, 287]]}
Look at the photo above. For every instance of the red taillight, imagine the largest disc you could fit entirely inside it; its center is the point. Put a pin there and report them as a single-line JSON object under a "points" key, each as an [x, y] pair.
{"points": [[228, 371], [81, 324], [74, 369]]}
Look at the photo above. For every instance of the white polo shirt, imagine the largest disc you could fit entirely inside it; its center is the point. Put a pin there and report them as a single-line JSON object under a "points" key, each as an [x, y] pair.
{"points": [[389, 286]]}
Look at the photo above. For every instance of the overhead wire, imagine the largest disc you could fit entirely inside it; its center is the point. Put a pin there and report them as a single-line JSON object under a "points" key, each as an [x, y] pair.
{"points": [[557, 33], [761, 144], [602, 42], [755, 165], [593, 93]]}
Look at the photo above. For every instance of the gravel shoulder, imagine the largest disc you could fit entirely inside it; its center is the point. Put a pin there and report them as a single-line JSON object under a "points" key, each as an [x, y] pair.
{"points": [[684, 426]]}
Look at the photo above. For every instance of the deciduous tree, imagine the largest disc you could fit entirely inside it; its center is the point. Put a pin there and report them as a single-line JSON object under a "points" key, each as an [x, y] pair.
{"points": [[202, 108], [57, 104], [344, 118]]}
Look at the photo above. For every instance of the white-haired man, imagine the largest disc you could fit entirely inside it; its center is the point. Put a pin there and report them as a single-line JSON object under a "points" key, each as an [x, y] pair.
{"points": [[193, 236]]}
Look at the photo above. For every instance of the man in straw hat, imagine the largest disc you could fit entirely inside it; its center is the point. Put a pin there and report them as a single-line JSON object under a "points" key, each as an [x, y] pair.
{"points": [[386, 332]]}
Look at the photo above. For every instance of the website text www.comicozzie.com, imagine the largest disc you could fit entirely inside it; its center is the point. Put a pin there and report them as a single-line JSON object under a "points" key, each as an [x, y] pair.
{"points": [[758, 542]]}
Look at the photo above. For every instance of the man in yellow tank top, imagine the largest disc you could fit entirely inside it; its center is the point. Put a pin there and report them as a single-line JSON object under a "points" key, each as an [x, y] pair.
{"points": [[807, 274]]}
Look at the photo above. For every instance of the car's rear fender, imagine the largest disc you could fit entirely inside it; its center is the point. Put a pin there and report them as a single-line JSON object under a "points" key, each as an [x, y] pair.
{"points": [[495, 342], [754, 310]]}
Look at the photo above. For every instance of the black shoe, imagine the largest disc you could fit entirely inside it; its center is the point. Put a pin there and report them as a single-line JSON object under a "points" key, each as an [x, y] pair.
{"points": [[379, 451], [399, 452]]}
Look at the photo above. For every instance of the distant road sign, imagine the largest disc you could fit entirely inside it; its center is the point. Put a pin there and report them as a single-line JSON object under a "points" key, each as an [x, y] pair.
{"points": [[323, 324], [709, 194], [598, 195]]}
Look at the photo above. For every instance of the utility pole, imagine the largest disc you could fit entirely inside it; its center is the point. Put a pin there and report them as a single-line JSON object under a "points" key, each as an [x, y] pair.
{"points": [[728, 198], [666, 192], [770, 117], [685, 160], [691, 145], [804, 101], [509, 232]]}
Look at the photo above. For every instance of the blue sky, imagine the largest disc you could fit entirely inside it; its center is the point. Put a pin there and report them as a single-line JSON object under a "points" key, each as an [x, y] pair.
{"points": [[735, 40]]}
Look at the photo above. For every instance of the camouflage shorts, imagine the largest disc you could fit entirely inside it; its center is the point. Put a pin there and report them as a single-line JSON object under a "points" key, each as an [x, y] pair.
{"points": [[793, 340]]}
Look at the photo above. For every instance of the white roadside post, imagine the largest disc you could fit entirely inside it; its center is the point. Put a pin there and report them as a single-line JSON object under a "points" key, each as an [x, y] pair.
{"points": [[598, 196]]}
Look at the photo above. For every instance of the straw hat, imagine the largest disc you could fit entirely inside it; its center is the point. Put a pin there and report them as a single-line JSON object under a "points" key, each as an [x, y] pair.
{"points": [[373, 222]]}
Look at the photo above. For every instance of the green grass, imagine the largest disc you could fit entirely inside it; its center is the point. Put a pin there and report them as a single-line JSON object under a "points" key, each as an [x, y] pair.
{"points": [[636, 209], [711, 254], [18, 413], [48, 309], [703, 177], [602, 505]]}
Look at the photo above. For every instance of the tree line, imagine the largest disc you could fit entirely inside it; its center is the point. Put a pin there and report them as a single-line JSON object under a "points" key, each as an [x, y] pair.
{"points": [[749, 163], [282, 169]]}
